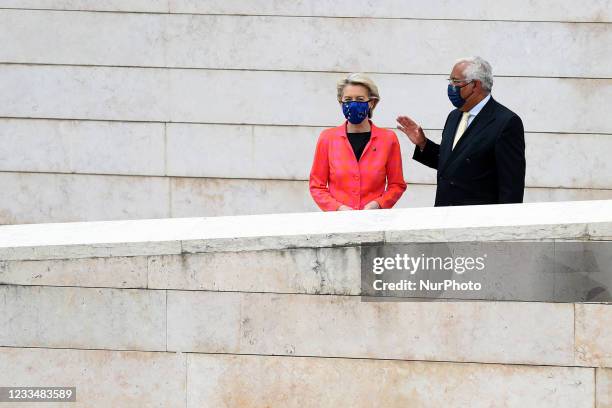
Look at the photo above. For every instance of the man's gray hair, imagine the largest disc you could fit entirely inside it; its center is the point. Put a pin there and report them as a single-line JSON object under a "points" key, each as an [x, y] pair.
{"points": [[478, 68]]}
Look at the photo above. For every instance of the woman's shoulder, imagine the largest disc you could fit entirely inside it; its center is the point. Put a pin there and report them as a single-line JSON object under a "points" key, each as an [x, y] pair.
{"points": [[332, 132], [384, 133]]}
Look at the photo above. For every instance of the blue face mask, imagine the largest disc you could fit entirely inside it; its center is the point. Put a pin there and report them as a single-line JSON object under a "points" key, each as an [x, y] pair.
{"points": [[454, 95], [355, 112]]}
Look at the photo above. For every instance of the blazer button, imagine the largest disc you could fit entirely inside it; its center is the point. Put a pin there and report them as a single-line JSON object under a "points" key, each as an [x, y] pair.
{"points": [[452, 183], [468, 160]]}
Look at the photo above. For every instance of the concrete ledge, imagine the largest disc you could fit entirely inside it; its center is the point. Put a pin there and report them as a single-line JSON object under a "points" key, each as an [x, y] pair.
{"points": [[561, 220]]}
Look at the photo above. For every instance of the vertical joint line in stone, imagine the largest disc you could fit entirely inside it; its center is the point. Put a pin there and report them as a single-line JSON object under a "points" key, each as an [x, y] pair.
{"points": [[595, 369], [148, 260], [186, 379], [252, 155], [574, 333], [165, 148], [170, 210], [166, 321], [71, 141], [168, 178]]}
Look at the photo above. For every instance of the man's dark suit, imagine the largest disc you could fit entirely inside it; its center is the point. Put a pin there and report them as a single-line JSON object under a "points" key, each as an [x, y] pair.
{"points": [[487, 165]]}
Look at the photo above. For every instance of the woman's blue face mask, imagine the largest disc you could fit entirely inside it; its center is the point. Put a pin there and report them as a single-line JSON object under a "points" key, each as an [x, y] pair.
{"points": [[355, 111]]}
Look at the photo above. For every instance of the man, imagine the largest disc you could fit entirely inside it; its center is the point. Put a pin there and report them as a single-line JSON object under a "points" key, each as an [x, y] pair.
{"points": [[481, 159]]}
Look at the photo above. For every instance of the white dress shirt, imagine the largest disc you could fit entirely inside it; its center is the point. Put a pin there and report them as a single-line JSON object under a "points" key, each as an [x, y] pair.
{"points": [[476, 109]]}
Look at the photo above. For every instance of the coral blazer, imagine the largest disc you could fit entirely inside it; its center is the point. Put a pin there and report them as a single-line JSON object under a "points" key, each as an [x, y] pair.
{"points": [[338, 178]]}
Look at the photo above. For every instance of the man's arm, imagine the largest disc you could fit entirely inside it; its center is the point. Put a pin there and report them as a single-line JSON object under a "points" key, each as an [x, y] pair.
{"points": [[430, 154], [510, 161], [425, 151]]}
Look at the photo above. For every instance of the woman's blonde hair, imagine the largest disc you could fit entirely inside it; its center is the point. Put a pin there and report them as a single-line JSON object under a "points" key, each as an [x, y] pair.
{"points": [[358, 78]]}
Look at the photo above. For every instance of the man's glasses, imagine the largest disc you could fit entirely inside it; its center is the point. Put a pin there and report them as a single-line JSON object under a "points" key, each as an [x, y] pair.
{"points": [[456, 82]]}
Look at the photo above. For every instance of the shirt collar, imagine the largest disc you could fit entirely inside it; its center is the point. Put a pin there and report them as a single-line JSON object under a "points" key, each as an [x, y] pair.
{"points": [[476, 109], [373, 129]]}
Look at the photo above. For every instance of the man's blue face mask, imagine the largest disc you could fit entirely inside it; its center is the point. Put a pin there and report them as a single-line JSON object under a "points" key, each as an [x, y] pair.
{"points": [[355, 111], [454, 95]]}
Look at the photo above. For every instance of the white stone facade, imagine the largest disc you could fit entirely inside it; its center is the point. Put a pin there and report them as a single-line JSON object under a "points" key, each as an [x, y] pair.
{"points": [[173, 108]]}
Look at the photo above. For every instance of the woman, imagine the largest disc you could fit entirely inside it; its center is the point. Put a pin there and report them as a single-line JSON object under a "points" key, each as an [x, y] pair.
{"points": [[354, 161]]}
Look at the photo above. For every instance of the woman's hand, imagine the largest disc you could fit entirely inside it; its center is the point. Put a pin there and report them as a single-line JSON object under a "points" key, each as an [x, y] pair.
{"points": [[344, 208], [372, 205], [412, 130]]}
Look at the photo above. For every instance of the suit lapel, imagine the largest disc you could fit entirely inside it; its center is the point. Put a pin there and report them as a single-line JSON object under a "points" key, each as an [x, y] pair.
{"points": [[472, 133], [448, 134], [348, 149]]}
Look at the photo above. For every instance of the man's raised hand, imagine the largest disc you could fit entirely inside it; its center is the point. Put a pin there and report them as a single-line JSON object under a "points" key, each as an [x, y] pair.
{"points": [[412, 130]]}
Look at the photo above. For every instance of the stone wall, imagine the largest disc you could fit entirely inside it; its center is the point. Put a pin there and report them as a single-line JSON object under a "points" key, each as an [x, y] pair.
{"points": [[252, 311], [174, 108]]}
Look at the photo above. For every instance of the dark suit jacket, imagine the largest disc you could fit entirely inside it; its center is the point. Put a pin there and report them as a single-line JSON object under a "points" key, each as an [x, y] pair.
{"points": [[487, 166]]}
